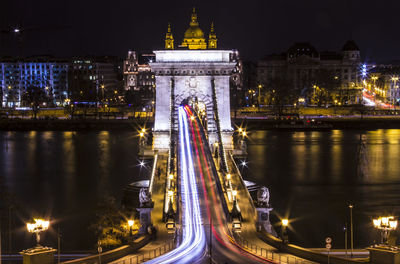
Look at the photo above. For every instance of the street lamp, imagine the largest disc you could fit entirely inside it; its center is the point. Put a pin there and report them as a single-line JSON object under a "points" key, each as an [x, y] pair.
{"points": [[285, 223], [259, 98], [40, 225], [171, 195], [394, 79], [351, 229], [130, 224], [385, 224], [234, 193]]}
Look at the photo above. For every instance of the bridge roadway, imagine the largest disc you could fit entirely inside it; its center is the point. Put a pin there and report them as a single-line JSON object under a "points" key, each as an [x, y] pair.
{"points": [[219, 237], [202, 207], [205, 228]]}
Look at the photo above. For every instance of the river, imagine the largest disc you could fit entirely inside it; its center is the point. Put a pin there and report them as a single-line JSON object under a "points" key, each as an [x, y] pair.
{"points": [[312, 176]]}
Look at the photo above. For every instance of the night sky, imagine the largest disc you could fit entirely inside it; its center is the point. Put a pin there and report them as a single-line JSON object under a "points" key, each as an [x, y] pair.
{"points": [[255, 28]]}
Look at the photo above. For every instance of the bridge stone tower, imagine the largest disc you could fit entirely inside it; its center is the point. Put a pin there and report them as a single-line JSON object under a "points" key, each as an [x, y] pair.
{"points": [[193, 72]]}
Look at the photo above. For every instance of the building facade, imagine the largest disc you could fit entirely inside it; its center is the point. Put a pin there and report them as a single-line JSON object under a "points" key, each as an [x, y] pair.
{"points": [[383, 83], [60, 81], [308, 70], [139, 79], [17, 76], [94, 80]]}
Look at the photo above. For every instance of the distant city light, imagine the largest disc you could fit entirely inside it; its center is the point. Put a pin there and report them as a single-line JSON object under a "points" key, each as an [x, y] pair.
{"points": [[16, 30], [364, 70], [141, 163]]}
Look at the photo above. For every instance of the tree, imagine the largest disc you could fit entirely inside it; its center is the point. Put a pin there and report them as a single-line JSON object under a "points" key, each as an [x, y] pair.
{"points": [[134, 99], [281, 93], [34, 96], [326, 84], [109, 226]]}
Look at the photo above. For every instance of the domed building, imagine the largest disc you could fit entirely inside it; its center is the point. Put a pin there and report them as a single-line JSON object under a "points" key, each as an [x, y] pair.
{"points": [[194, 36]]}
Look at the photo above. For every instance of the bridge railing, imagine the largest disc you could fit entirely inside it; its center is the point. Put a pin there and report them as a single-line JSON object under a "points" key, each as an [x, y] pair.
{"points": [[148, 254], [237, 171], [269, 254], [153, 172]]}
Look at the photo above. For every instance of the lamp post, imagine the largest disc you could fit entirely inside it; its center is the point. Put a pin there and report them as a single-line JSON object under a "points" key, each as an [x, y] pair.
{"points": [[102, 93], [40, 225], [351, 230], [259, 96], [130, 224], [385, 224], [394, 79], [345, 237], [285, 223]]}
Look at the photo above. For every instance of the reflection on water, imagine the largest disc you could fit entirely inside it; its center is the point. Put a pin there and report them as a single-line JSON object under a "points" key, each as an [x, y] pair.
{"points": [[313, 176], [62, 176]]}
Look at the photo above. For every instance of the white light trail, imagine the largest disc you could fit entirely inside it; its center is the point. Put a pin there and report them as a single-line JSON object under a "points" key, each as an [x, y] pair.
{"points": [[368, 102], [194, 240]]}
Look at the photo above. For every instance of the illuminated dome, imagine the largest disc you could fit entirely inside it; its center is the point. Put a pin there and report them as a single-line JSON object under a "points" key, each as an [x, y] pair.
{"points": [[194, 32], [194, 36]]}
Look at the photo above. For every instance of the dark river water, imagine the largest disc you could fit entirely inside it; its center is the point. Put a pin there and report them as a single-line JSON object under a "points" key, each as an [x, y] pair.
{"points": [[312, 177]]}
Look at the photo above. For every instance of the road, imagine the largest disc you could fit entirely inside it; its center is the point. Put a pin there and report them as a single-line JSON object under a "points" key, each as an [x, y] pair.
{"points": [[220, 243], [193, 246]]}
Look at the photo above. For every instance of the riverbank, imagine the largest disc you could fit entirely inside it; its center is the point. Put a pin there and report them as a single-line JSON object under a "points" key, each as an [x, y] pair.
{"points": [[318, 123], [71, 124], [355, 122]]}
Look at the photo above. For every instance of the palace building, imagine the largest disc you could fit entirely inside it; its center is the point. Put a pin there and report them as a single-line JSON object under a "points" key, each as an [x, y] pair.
{"points": [[302, 65]]}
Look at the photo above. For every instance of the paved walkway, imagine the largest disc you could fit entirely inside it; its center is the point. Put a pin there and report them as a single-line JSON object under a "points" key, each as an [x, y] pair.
{"points": [[164, 240]]}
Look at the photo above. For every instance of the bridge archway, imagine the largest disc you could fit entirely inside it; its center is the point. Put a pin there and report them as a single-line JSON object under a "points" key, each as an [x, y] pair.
{"points": [[203, 74], [200, 99]]}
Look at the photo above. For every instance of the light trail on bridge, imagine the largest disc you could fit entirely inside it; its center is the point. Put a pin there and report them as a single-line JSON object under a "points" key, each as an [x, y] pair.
{"points": [[194, 241], [227, 249]]}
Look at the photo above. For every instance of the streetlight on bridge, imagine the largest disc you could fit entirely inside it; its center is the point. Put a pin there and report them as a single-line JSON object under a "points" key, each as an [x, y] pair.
{"points": [[285, 223]]}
